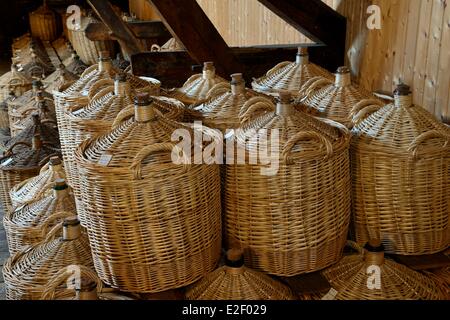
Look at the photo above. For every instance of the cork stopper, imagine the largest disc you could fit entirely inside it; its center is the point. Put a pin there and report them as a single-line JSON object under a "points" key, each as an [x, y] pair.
{"points": [[302, 57], [234, 258], [87, 290], [374, 252], [143, 110], [402, 90], [237, 83], [54, 161], [71, 229], [343, 77], [36, 142]]}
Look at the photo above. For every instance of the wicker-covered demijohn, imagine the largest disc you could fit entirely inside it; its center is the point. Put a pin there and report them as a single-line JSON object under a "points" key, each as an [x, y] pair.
{"points": [[196, 88], [37, 68], [23, 160], [28, 224], [401, 176], [60, 80], [29, 96], [74, 64], [15, 82], [137, 200], [84, 284], [98, 116], [27, 272], [35, 187], [289, 207], [44, 23], [290, 76], [234, 281], [334, 100], [369, 275], [224, 107]]}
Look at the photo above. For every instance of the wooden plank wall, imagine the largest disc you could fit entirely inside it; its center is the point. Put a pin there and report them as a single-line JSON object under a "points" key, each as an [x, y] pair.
{"points": [[413, 43]]}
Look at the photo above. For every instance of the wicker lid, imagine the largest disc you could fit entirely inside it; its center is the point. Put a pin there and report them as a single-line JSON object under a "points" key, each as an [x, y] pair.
{"points": [[400, 127], [369, 275], [290, 76], [300, 135], [196, 88], [333, 100], [134, 128], [28, 271], [35, 187], [236, 282], [224, 105]]}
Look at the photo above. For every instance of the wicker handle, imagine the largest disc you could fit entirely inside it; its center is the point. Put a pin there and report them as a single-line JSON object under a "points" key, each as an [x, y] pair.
{"points": [[53, 231], [355, 246], [23, 250], [136, 166], [218, 89], [364, 108], [304, 136], [124, 114], [53, 217], [433, 134], [315, 84], [277, 67], [89, 70], [9, 151], [103, 92], [100, 84], [63, 275], [250, 108]]}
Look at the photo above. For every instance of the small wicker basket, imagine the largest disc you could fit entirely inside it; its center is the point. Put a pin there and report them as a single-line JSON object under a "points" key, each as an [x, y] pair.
{"points": [[236, 282], [132, 189], [27, 272], [290, 216], [83, 282], [223, 107], [14, 82], [368, 275], [290, 76], [401, 176], [44, 23], [196, 88], [22, 161], [35, 188], [29, 223], [333, 100]]}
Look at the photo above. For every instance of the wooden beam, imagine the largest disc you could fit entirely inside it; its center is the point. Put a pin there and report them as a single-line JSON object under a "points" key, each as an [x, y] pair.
{"points": [[118, 27], [141, 30], [188, 23], [173, 68], [318, 22]]}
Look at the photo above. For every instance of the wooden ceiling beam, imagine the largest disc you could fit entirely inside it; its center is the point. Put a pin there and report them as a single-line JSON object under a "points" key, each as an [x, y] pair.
{"points": [[98, 31]]}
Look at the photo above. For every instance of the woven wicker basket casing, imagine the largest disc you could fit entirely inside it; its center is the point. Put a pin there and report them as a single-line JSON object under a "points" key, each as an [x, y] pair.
{"points": [[333, 100], [22, 161], [290, 76], [27, 272], [196, 88], [355, 277], [44, 23], [75, 65], [234, 281], [60, 80], [294, 219], [401, 176], [14, 82], [169, 214], [28, 224], [34, 188], [97, 118]]}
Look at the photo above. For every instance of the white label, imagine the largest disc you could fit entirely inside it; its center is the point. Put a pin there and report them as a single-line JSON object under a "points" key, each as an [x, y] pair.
{"points": [[105, 159], [331, 295], [7, 162]]}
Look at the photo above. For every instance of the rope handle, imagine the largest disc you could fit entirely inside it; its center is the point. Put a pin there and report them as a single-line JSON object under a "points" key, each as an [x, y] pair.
{"points": [[65, 274], [89, 70], [315, 84], [277, 67], [100, 84], [53, 217], [136, 165], [433, 134], [365, 108], [250, 108], [218, 89], [124, 114], [304, 136]]}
